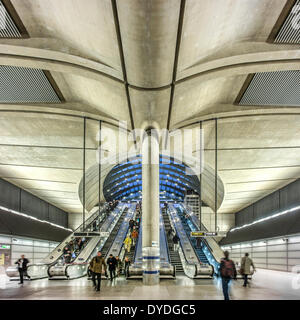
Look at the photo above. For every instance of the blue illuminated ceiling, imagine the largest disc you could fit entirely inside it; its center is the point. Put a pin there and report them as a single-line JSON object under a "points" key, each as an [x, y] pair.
{"points": [[124, 181]]}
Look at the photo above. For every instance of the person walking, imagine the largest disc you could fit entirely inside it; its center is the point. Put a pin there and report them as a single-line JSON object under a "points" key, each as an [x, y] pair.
{"points": [[112, 264], [127, 243], [119, 266], [246, 264], [97, 264], [134, 236], [176, 242], [22, 267], [126, 266], [228, 272]]}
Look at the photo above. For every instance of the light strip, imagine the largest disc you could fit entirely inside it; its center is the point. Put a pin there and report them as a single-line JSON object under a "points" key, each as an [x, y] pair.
{"points": [[33, 218], [267, 218]]}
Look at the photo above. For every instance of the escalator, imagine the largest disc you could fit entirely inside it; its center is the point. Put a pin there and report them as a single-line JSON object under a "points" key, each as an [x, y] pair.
{"points": [[78, 267], [166, 269], [210, 248], [192, 267], [40, 270], [200, 254], [114, 243], [174, 255]]}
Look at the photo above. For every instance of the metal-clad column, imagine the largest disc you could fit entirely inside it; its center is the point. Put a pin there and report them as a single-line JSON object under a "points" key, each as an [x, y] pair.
{"points": [[200, 179], [150, 208], [83, 179], [99, 169], [216, 174]]}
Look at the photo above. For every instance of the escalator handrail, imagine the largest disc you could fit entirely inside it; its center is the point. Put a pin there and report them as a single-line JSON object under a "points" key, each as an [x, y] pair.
{"points": [[204, 240], [164, 231], [126, 207], [136, 246], [199, 228], [182, 249], [94, 215], [76, 263], [188, 236]]}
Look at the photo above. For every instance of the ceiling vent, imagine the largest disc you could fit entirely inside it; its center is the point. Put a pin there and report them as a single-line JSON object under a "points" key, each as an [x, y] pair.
{"points": [[27, 85], [287, 27], [11, 25], [279, 88]]}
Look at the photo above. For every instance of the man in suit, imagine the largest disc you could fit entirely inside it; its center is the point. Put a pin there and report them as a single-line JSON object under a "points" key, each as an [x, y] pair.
{"points": [[22, 267]]}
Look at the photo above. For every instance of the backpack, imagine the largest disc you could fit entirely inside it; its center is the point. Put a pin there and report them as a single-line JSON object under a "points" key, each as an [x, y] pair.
{"points": [[228, 270]]}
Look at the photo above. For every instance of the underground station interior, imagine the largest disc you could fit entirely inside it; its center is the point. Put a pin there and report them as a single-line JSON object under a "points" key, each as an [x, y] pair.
{"points": [[150, 144]]}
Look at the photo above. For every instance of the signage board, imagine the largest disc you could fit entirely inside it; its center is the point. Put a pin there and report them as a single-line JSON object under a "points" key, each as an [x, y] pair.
{"points": [[205, 234]]}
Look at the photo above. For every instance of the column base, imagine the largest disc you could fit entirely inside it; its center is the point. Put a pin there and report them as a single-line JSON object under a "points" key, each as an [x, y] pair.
{"points": [[151, 266], [150, 279]]}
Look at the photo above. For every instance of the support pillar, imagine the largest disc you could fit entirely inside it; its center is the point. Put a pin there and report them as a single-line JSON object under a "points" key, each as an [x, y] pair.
{"points": [[150, 208]]}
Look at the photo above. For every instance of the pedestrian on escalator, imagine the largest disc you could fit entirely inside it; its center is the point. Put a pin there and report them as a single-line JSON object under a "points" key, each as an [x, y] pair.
{"points": [[67, 254], [97, 265], [112, 264], [22, 267], [170, 233], [134, 236], [228, 272], [127, 243], [198, 243], [119, 266], [131, 224], [80, 244], [245, 270], [176, 242], [95, 225], [126, 266]]}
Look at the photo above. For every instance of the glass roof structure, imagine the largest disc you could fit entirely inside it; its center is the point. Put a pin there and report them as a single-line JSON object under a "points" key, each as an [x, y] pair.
{"points": [[124, 181]]}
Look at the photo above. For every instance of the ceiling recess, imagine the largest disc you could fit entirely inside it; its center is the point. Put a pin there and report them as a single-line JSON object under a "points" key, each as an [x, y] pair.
{"points": [[290, 29], [26, 85], [8, 28], [279, 88]]}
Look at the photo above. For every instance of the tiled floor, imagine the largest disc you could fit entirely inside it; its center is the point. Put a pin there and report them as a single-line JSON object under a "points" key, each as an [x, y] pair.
{"points": [[266, 285]]}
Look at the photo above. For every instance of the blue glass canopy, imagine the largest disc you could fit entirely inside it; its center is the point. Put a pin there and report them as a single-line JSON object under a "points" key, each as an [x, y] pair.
{"points": [[124, 181]]}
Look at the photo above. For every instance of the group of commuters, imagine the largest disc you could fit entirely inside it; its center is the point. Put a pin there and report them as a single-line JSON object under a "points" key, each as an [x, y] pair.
{"points": [[72, 249], [133, 235], [113, 264], [228, 271]]}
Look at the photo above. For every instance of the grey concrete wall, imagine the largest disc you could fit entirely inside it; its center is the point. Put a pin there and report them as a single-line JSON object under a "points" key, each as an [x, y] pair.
{"points": [[13, 197], [284, 198]]}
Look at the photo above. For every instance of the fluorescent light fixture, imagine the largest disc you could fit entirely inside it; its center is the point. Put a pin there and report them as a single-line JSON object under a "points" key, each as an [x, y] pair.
{"points": [[33, 218], [267, 218]]}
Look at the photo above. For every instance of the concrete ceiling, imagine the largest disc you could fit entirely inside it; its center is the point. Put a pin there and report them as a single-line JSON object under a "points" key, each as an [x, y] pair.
{"points": [[168, 62]]}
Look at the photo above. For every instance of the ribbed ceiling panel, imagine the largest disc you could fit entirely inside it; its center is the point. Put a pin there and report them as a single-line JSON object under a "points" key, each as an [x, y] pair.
{"points": [[8, 29], [25, 85], [290, 30], [280, 88]]}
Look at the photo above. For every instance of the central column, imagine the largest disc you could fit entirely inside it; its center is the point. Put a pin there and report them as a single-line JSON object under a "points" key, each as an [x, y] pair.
{"points": [[150, 207]]}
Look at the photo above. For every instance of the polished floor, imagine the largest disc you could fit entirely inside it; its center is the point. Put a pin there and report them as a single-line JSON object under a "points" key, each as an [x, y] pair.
{"points": [[265, 285]]}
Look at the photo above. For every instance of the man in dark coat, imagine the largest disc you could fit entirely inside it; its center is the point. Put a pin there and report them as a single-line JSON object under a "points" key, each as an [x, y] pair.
{"points": [[112, 264], [22, 267]]}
